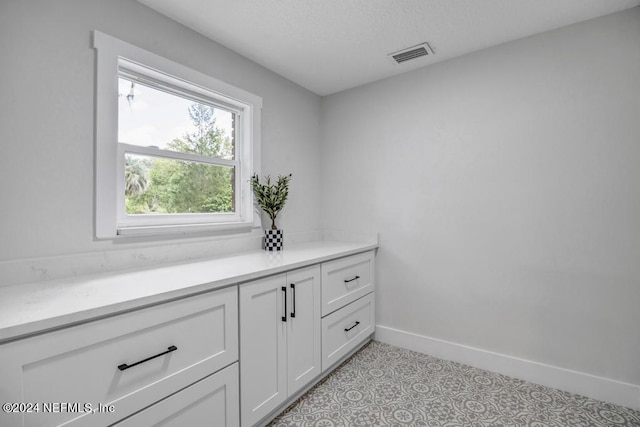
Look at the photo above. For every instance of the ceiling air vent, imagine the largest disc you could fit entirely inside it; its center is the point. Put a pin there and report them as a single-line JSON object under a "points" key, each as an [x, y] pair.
{"points": [[410, 53]]}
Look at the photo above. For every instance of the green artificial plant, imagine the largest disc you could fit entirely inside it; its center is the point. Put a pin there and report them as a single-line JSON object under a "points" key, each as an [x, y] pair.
{"points": [[271, 197]]}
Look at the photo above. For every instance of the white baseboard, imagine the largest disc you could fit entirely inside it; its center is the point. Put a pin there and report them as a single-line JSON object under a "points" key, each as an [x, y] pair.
{"points": [[600, 388]]}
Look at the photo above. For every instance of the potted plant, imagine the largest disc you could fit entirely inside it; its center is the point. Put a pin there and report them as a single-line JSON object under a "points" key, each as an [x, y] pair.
{"points": [[271, 198]]}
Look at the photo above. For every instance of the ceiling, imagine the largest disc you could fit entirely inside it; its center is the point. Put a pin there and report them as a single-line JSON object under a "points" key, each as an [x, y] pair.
{"points": [[328, 46]]}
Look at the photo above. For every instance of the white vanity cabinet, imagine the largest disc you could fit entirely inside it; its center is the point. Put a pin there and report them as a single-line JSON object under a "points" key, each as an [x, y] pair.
{"points": [[126, 362], [218, 342], [348, 307], [279, 340]]}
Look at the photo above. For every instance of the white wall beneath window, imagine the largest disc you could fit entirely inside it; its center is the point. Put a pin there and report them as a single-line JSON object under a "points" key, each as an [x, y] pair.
{"points": [[47, 82], [505, 186]]}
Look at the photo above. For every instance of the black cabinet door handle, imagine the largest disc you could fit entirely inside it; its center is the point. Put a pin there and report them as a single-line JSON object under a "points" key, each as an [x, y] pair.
{"points": [[284, 289], [352, 279], [293, 300], [169, 350], [354, 325]]}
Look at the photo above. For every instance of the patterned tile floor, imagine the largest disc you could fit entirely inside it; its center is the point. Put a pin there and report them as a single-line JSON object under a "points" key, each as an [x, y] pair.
{"points": [[382, 385]]}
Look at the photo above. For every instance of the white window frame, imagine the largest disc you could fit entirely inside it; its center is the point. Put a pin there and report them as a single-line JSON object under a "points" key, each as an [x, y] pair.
{"points": [[115, 58]]}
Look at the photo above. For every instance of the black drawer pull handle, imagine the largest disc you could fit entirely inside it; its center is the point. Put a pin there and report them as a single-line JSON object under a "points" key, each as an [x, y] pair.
{"points": [[354, 325], [351, 280], [169, 350], [284, 289], [293, 300]]}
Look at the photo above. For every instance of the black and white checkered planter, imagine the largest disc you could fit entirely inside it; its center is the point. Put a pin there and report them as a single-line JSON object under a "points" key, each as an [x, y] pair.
{"points": [[273, 240]]}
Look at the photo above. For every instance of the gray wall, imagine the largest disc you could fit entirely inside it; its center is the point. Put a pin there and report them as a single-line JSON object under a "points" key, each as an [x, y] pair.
{"points": [[504, 186], [47, 83]]}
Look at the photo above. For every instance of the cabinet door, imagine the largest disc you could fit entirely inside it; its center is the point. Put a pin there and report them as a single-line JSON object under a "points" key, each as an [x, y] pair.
{"points": [[303, 328], [212, 401], [263, 345]]}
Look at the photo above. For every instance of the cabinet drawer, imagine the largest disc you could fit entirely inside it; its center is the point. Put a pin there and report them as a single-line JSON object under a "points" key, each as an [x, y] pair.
{"points": [[87, 364], [345, 280], [212, 401], [344, 329]]}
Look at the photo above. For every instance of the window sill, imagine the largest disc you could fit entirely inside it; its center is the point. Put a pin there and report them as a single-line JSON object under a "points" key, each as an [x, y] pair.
{"points": [[163, 230]]}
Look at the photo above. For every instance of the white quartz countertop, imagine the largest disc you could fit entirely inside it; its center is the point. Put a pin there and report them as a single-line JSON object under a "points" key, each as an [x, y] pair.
{"points": [[33, 308]]}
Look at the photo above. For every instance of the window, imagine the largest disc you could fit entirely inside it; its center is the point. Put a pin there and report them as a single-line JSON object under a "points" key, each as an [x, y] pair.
{"points": [[175, 148]]}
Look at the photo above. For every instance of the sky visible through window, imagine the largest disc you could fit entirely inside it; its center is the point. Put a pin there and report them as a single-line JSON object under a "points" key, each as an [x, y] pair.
{"points": [[155, 118], [153, 184]]}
